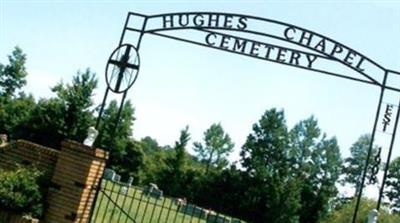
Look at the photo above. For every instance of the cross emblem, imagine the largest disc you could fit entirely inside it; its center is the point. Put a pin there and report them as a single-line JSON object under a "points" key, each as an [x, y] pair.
{"points": [[126, 69]]}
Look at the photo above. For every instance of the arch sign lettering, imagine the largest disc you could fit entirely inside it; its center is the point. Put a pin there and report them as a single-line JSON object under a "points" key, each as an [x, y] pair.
{"points": [[272, 41]]}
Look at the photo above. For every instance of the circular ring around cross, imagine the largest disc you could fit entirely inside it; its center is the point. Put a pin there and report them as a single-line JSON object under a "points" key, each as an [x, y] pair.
{"points": [[122, 68]]}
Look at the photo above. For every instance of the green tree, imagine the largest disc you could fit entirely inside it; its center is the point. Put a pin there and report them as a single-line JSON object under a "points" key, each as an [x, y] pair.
{"points": [[354, 165], [179, 161], [172, 177], [14, 113], [287, 176], [393, 185], [76, 100], [20, 191], [112, 137], [216, 148], [154, 159], [14, 110], [303, 138], [13, 75], [131, 162], [345, 213], [273, 194], [150, 145], [45, 124], [264, 153], [316, 161], [68, 115], [221, 191]]}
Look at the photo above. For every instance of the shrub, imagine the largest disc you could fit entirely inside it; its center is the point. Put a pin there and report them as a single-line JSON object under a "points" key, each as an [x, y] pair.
{"points": [[20, 191], [345, 213]]}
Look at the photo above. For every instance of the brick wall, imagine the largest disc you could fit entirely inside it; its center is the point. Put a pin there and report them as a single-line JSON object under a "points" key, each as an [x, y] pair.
{"points": [[75, 173], [27, 153]]}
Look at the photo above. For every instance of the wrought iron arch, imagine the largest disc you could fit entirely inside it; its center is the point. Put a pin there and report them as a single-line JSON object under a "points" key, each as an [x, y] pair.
{"points": [[371, 72], [153, 31]]}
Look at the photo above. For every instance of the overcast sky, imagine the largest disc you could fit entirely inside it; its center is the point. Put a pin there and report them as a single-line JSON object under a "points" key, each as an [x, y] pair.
{"points": [[181, 84]]}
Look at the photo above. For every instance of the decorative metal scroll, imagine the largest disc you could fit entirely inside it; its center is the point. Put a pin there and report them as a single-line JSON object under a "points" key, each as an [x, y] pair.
{"points": [[387, 119], [375, 167], [276, 42]]}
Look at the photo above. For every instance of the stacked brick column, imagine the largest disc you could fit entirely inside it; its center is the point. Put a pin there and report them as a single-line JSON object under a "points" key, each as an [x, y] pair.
{"points": [[78, 172]]}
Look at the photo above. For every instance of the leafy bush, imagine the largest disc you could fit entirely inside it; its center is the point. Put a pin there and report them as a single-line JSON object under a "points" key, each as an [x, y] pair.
{"points": [[20, 191], [345, 213]]}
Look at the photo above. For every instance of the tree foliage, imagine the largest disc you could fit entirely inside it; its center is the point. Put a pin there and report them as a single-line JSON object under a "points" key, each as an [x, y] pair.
{"points": [[345, 213], [14, 109], [316, 160], [173, 174], [13, 75], [20, 191], [76, 102], [117, 139], [264, 153], [68, 115], [216, 148], [131, 162], [14, 113], [393, 185], [292, 170], [154, 160], [272, 189], [354, 165]]}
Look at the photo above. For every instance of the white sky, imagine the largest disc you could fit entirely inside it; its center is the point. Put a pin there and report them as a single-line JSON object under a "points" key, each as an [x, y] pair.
{"points": [[181, 84]]}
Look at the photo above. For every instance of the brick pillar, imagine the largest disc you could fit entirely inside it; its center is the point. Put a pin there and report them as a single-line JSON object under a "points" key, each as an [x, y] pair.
{"points": [[78, 172]]}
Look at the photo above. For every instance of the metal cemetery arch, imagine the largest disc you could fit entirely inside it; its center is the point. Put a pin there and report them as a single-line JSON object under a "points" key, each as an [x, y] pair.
{"points": [[307, 50]]}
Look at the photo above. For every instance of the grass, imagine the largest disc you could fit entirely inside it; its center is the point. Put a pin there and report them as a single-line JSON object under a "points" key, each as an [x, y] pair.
{"points": [[138, 206]]}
